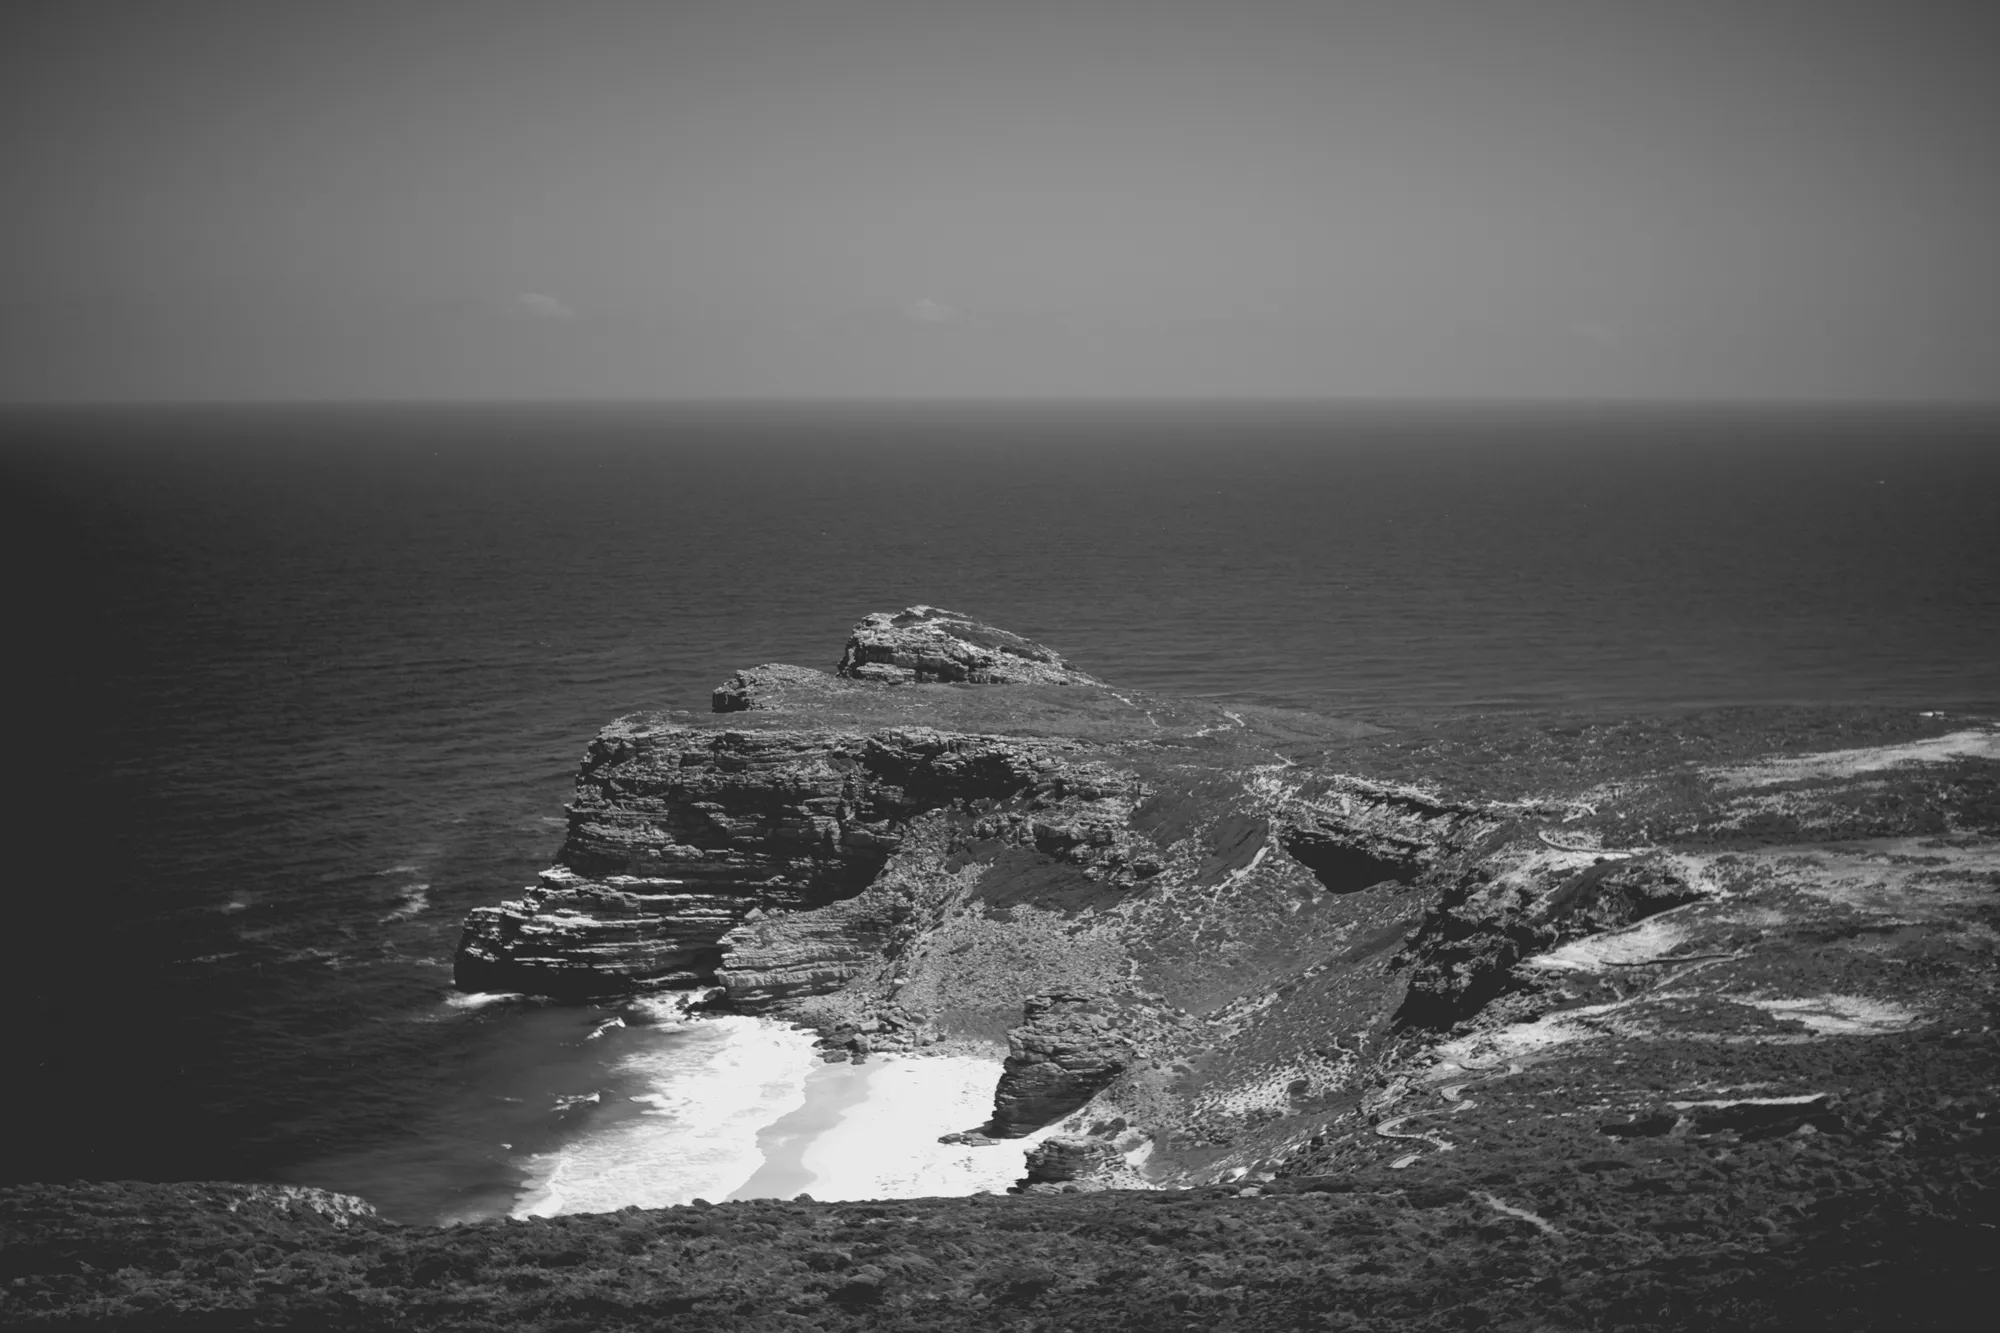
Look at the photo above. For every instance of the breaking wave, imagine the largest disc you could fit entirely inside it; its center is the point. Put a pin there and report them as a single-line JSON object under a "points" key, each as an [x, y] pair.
{"points": [[693, 1134]]}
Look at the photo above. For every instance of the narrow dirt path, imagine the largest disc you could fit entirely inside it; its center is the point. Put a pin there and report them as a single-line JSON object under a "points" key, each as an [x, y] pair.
{"points": [[1510, 1210], [1455, 1098]]}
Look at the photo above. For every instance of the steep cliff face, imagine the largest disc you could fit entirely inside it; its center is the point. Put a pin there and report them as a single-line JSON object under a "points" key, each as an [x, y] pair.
{"points": [[575, 937], [1222, 933], [1067, 1049], [679, 833]]}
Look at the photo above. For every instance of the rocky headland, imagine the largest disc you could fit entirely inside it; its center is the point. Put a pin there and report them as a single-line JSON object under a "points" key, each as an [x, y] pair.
{"points": [[1679, 1021]]}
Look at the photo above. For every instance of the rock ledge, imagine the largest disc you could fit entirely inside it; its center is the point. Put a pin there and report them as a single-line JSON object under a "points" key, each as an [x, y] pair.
{"points": [[927, 643]]}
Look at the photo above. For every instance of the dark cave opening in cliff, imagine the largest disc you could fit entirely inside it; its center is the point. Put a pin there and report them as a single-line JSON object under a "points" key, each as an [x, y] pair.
{"points": [[1344, 869]]}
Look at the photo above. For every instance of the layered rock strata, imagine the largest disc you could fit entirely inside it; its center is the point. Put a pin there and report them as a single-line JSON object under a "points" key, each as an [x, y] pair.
{"points": [[575, 937], [1058, 1160], [1066, 1050], [678, 833], [1231, 934]]}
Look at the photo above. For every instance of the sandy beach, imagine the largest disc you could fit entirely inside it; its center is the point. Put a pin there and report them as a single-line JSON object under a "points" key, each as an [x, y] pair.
{"points": [[740, 1099], [870, 1132], [831, 1092]]}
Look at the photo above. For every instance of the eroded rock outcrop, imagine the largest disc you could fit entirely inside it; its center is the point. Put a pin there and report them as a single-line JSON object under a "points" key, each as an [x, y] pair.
{"points": [[1064, 1159], [1485, 925], [679, 832], [1067, 1048], [773, 685], [928, 643]]}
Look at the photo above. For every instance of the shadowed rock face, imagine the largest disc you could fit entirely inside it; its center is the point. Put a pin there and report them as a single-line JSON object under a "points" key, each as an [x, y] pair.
{"points": [[1054, 1161], [1067, 1048], [1466, 952]]}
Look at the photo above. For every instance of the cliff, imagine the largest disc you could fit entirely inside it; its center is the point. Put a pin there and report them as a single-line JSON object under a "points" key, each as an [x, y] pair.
{"points": [[1217, 939], [679, 832]]}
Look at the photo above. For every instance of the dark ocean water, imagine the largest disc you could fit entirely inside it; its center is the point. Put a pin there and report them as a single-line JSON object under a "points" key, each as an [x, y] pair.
{"points": [[297, 687]]}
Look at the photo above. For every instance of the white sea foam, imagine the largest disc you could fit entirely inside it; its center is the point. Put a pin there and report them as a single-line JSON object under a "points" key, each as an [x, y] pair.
{"points": [[886, 1147], [667, 1008], [479, 999], [416, 899], [713, 1085]]}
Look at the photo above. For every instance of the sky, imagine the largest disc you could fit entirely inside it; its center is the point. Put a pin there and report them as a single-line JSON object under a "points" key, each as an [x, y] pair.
{"points": [[496, 199]]}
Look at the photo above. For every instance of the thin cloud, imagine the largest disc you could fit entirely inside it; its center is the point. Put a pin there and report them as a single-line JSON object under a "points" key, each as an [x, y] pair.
{"points": [[544, 307], [923, 310]]}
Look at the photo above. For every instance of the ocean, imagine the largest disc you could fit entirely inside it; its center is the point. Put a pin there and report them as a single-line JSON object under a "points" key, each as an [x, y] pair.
{"points": [[298, 686]]}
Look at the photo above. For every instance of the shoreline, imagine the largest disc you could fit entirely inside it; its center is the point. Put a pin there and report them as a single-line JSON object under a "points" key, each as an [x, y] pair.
{"points": [[741, 1107], [832, 1091], [870, 1132], [710, 1091]]}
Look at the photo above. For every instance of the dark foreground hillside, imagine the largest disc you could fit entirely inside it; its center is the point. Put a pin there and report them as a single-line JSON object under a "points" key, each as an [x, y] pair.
{"points": [[1577, 1194], [1869, 1210]]}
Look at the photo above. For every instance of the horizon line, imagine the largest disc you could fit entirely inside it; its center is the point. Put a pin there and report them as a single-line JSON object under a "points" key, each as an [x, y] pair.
{"points": [[1014, 400]]}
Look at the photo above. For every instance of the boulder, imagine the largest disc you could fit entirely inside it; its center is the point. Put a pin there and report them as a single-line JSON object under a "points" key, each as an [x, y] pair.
{"points": [[1056, 1160], [1064, 1052]]}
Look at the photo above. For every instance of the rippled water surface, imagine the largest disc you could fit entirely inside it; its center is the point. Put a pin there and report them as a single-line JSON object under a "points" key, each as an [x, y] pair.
{"points": [[306, 684]]}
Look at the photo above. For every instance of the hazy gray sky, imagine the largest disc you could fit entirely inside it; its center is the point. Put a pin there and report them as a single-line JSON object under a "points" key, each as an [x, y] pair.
{"points": [[496, 198]]}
